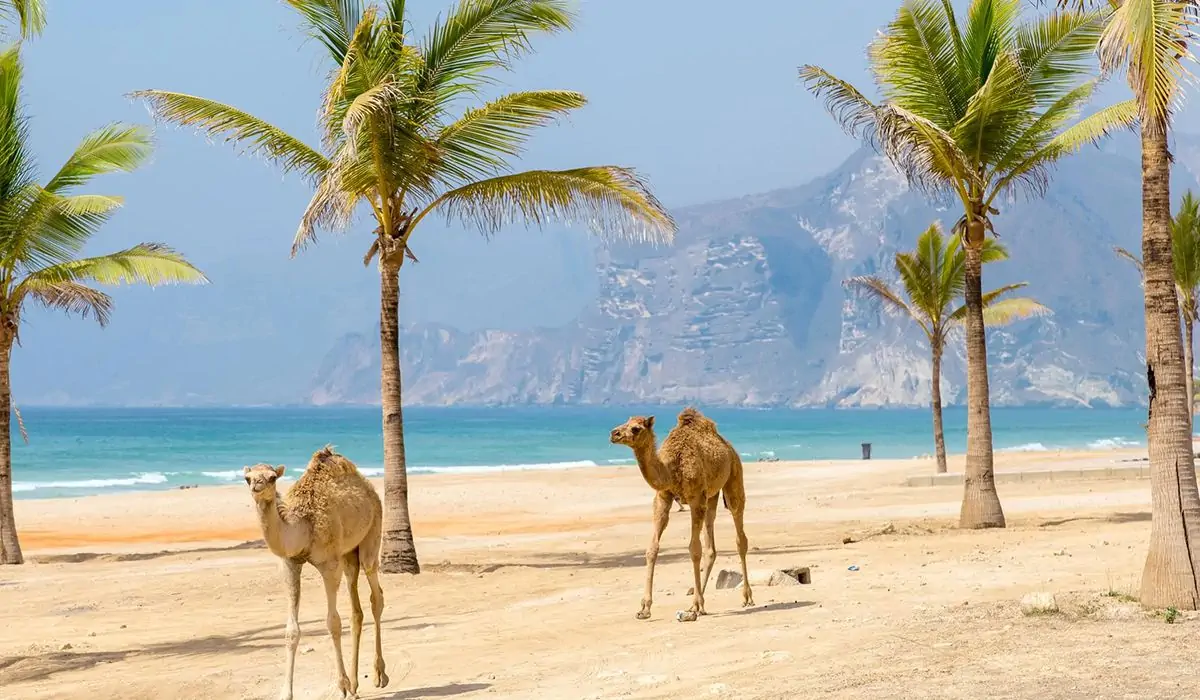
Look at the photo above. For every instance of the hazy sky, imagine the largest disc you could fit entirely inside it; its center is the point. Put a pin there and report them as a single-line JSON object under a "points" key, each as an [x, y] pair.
{"points": [[701, 96]]}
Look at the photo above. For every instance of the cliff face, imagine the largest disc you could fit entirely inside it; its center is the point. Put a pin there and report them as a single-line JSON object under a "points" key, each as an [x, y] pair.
{"points": [[748, 308]]}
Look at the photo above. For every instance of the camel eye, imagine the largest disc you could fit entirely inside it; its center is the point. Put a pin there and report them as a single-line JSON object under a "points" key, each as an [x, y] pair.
{"points": [[247, 481], [636, 429], [272, 478]]}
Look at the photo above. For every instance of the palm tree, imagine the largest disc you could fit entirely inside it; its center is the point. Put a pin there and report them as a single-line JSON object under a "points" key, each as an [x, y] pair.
{"points": [[933, 280], [1185, 255], [978, 112], [1149, 39], [43, 229], [394, 139]]}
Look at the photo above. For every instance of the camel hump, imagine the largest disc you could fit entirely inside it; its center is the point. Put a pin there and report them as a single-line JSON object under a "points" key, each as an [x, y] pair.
{"points": [[693, 417], [327, 461]]}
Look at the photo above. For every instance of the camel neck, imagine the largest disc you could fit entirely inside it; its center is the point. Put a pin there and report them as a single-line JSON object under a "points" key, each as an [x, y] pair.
{"points": [[270, 519], [653, 470]]}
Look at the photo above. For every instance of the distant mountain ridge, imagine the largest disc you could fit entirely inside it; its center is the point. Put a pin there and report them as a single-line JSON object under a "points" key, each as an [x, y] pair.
{"points": [[748, 308]]}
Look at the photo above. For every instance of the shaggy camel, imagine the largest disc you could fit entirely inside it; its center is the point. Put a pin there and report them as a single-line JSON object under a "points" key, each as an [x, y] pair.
{"points": [[331, 518], [694, 466]]}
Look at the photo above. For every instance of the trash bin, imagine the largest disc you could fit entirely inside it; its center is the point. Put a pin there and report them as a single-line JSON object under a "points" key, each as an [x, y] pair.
{"points": [[866, 447]]}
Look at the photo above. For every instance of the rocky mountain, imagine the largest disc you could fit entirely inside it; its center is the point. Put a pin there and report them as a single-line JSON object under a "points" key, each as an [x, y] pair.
{"points": [[748, 308]]}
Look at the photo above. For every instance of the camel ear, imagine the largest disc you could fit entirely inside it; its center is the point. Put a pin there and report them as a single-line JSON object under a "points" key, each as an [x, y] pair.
{"points": [[245, 471], [279, 471], [649, 422]]}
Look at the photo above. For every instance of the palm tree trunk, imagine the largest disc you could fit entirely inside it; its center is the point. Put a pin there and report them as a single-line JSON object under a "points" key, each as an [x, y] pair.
{"points": [[981, 504], [939, 437], [1189, 363], [1171, 576], [399, 552], [10, 547]]}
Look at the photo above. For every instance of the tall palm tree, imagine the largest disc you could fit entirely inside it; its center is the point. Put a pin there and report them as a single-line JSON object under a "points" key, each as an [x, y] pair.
{"points": [[43, 229], [976, 111], [1185, 256], [1149, 40], [396, 140], [933, 279]]}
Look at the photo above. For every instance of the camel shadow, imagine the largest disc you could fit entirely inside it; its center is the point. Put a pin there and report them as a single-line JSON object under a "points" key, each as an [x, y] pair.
{"points": [[81, 557], [1116, 518], [441, 691], [618, 560], [769, 607], [35, 667]]}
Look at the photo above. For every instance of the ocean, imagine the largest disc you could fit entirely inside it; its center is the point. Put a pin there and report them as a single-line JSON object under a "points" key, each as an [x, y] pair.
{"points": [[79, 452]]}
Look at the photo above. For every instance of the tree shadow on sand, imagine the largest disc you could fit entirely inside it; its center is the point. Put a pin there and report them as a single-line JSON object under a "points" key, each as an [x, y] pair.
{"points": [[1117, 518]]}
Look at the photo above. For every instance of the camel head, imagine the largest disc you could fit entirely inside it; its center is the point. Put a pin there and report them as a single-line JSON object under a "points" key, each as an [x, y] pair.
{"points": [[261, 479], [634, 432]]}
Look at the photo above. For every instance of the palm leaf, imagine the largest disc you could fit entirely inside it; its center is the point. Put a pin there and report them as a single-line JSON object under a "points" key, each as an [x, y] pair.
{"points": [[481, 35], [1122, 253], [858, 116], [477, 144], [256, 136], [879, 290], [919, 54], [152, 264], [114, 148], [615, 203], [1007, 311], [30, 16], [331, 22], [72, 297], [1150, 38]]}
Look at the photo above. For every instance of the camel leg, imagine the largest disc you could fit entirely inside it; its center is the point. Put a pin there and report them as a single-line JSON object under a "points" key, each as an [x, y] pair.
{"points": [[710, 542], [697, 509], [662, 513], [350, 564], [736, 500], [332, 575], [291, 577], [369, 554]]}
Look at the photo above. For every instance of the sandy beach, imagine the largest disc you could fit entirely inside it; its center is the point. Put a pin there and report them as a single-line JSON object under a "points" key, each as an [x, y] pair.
{"points": [[531, 580]]}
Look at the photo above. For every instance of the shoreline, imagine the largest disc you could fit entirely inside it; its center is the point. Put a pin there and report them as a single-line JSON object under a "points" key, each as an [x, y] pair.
{"points": [[130, 521]]}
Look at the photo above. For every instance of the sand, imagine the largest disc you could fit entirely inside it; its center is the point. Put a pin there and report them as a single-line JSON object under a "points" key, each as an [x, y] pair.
{"points": [[531, 581]]}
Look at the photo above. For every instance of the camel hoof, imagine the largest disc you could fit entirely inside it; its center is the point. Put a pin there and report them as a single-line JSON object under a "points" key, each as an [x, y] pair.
{"points": [[381, 679], [643, 615]]}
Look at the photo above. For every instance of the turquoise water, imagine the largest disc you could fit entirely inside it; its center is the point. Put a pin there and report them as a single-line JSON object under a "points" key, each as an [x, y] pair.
{"points": [[77, 452]]}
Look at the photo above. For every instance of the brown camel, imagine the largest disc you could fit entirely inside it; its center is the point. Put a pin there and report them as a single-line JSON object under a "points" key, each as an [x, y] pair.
{"points": [[332, 518], [694, 466]]}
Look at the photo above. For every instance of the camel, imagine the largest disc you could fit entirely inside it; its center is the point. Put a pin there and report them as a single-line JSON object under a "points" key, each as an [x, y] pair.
{"points": [[331, 518], [694, 465]]}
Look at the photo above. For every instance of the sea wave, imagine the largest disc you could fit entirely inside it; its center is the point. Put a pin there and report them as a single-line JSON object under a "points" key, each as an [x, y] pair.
{"points": [[484, 469], [1114, 443], [1027, 447], [134, 480]]}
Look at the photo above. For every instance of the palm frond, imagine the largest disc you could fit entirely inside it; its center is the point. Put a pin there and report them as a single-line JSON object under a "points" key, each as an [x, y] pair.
{"points": [[1122, 253], [331, 22], [351, 178], [71, 297], [858, 116], [615, 203], [1055, 50], [1150, 39], [477, 144], [919, 55], [255, 136], [114, 148], [878, 289], [481, 35], [152, 264], [30, 16], [1007, 311]]}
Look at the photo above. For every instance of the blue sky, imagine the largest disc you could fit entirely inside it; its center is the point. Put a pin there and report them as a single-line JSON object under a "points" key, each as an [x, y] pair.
{"points": [[700, 96]]}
